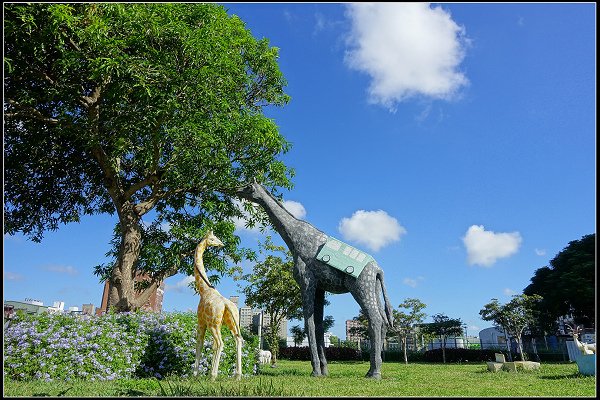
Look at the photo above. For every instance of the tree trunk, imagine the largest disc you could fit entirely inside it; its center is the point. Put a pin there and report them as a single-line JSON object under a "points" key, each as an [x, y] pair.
{"points": [[404, 344], [518, 338], [444, 349], [122, 294], [535, 351]]}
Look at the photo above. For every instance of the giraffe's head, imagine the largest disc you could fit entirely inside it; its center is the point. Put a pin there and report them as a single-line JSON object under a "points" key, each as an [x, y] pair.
{"points": [[250, 191], [212, 240]]}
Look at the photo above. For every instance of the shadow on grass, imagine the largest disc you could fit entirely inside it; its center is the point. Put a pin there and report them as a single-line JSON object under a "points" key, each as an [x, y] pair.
{"points": [[59, 394], [131, 393], [575, 375]]}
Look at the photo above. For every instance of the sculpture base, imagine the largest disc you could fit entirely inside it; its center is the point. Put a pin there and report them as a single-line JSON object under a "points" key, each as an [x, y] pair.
{"points": [[586, 363], [521, 366], [514, 366]]}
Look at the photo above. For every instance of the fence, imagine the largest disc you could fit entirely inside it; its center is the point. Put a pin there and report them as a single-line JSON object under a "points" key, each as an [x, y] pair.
{"points": [[550, 348]]}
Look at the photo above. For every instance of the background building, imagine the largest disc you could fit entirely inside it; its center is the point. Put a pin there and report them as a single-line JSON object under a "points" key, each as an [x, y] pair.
{"points": [[249, 319], [351, 337]]}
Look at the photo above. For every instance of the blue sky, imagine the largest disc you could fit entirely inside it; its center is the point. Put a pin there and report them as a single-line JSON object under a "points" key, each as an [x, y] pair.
{"points": [[455, 143]]}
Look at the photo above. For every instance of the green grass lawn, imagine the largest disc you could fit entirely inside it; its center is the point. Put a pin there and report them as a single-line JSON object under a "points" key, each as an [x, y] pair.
{"points": [[292, 378]]}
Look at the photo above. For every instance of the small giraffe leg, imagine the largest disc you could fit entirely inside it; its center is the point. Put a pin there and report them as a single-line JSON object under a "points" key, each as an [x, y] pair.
{"points": [[238, 361], [199, 346], [217, 348]]}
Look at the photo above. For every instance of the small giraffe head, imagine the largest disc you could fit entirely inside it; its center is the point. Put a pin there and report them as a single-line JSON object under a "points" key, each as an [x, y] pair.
{"points": [[574, 330], [212, 240]]}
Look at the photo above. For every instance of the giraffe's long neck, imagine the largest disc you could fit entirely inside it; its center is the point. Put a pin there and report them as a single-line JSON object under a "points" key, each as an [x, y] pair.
{"points": [[283, 221], [199, 271], [579, 344]]}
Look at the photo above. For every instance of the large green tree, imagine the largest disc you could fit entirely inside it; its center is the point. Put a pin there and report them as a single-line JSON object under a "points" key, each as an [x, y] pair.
{"points": [[145, 110], [514, 317], [271, 287], [408, 315], [568, 285]]}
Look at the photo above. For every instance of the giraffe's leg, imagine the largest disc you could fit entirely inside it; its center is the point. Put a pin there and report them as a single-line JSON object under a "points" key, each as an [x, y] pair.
{"points": [[365, 297], [307, 287], [199, 346], [217, 348], [233, 326], [238, 360], [319, 329]]}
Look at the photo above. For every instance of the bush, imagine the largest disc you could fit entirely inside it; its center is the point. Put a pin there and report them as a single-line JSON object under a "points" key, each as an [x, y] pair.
{"points": [[112, 346], [331, 353], [460, 355]]}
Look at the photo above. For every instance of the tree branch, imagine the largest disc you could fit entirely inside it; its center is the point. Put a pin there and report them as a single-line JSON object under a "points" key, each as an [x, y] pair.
{"points": [[34, 113], [145, 206], [155, 282]]}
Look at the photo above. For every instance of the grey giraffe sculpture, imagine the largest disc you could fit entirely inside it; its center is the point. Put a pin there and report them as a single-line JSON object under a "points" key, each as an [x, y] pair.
{"points": [[315, 278]]}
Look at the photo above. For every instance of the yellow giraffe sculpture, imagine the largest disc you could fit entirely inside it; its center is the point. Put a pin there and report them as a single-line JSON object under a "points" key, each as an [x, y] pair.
{"points": [[213, 310]]}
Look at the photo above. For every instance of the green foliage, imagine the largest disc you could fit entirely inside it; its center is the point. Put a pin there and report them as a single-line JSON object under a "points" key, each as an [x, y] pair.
{"points": [[515, 316], [443, 327], [182, 388], [132, 108], [272, 288], [405, 322], [67, 347], [568, 285], [299, 333]]}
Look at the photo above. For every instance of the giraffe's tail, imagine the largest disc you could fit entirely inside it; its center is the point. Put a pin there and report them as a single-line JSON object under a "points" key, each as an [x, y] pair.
{"points": [[388, 308]]}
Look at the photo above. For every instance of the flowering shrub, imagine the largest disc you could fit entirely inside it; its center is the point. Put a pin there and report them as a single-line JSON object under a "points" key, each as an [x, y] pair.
{"points": [[112, 346]]}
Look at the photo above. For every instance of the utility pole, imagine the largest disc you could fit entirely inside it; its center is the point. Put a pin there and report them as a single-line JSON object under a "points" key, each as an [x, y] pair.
{"points": [[260, 322]]}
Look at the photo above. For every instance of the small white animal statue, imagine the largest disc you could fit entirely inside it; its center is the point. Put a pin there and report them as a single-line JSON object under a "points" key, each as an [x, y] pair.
{"points": [[214, 310], [585, 348], [264, 356]]}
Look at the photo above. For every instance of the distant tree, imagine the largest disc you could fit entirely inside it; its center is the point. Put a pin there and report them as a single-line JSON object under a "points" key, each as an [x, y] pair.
{"points": [[335, 341], [272, 288], [298, 333], [443, 327], [514, 317], [405, 322], [149, 110], [568, 285]]}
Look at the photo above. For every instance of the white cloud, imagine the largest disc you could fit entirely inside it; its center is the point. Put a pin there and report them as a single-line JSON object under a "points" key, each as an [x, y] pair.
{"points": [[540, 252], [61, 269], [509, 292], [412, 282], [374, 229], [181, 286], [295, 208], [11, 276], [408, 49], [486, 247]]}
